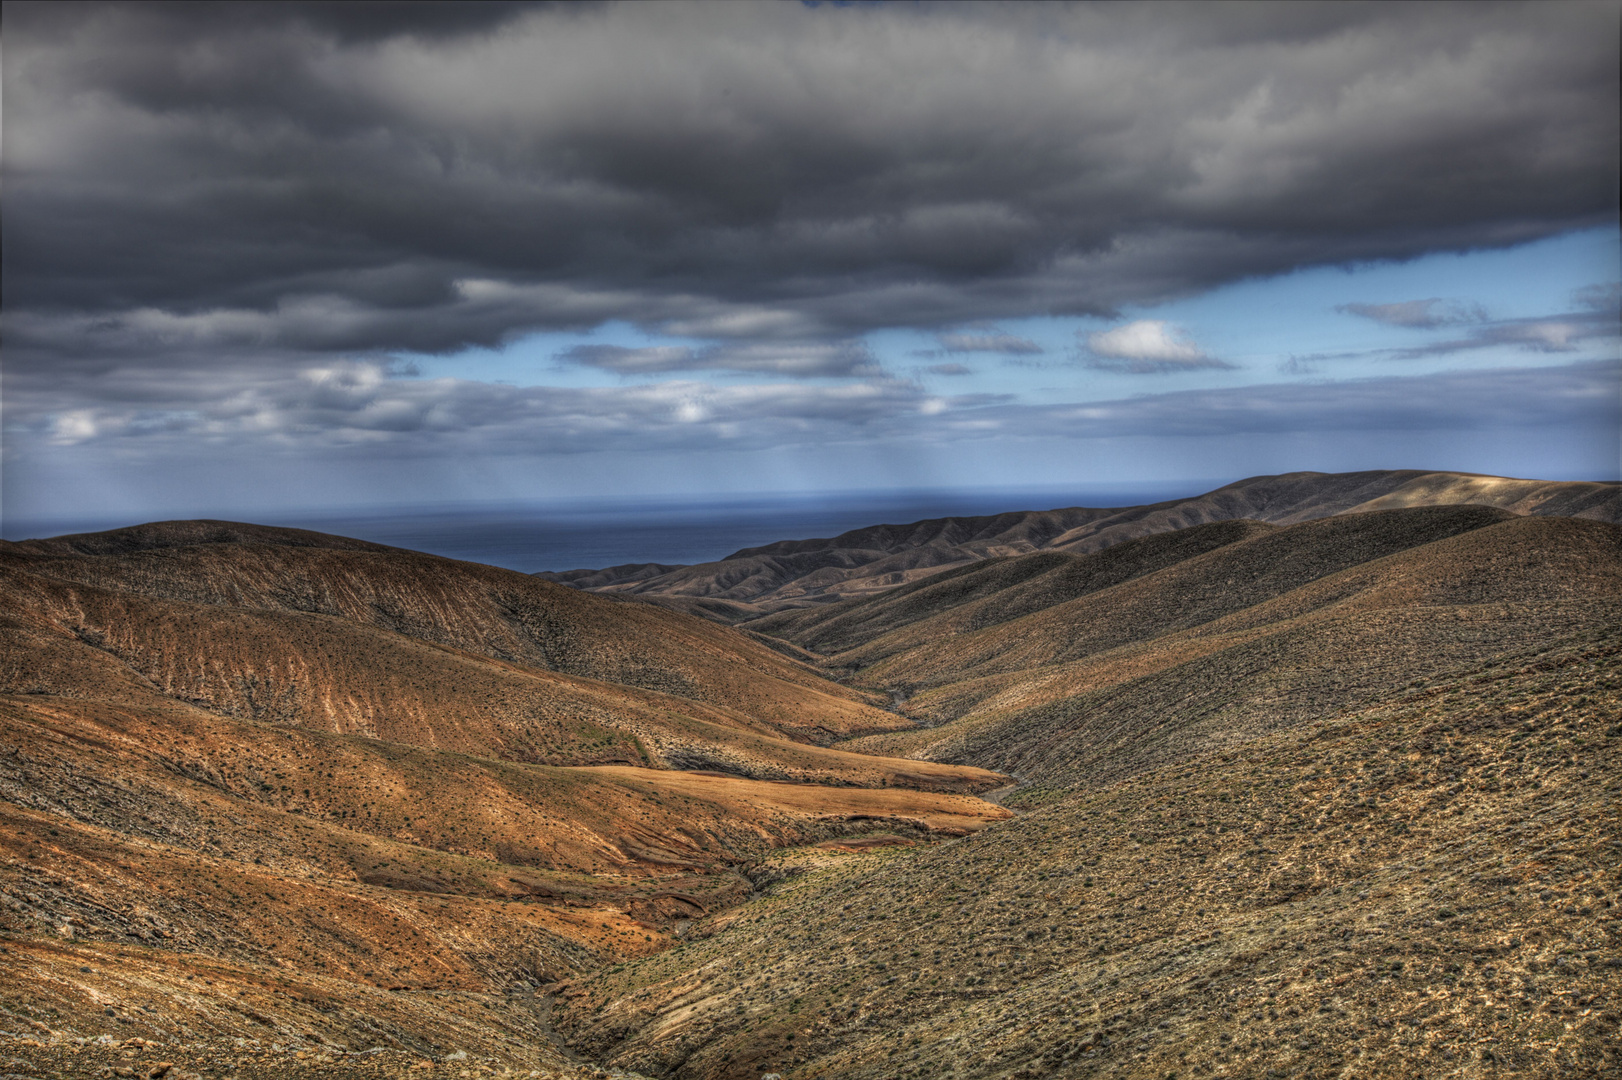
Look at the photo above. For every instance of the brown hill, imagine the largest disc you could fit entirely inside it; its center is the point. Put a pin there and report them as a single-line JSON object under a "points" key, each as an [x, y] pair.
{"points": [[995, 591], [144, 848], [1145, 588], [252, 781], [798, 573], [476, 609], [160, 535], [334, 675], [1248, 638]]}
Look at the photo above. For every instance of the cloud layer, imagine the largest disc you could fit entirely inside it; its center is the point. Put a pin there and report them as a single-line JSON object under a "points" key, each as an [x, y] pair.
{"points": [[800, 359], [987, 340], [226, 224], [359, 406], [326, 179], [1595, 314]]}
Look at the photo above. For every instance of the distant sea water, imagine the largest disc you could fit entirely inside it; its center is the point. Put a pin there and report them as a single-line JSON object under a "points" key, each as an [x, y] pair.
{"points": [[581, 534]]}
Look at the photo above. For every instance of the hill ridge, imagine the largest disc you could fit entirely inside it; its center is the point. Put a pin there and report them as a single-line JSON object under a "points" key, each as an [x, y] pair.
{"points": [[757, 581]]}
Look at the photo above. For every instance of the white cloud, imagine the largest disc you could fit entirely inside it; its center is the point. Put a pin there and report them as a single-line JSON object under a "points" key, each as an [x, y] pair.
{"points": [[74, 426], [1148, 346]]}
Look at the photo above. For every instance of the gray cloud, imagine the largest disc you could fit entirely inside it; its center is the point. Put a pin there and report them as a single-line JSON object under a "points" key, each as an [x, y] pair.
{"points": [[348, 22], [1605, 299], [184, 182], [359, 407], [1424, 314], [357, 404], [1576, 394], [1534, 335], [987, 340], [800, 359], [1596, 314]]}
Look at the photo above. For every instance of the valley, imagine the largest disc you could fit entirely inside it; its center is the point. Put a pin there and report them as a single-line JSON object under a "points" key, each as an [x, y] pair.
{"points": [[1315, 775]]}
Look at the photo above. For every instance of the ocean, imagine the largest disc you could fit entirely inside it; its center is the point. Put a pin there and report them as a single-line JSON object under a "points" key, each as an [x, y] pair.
{"points": [[579, 534]]}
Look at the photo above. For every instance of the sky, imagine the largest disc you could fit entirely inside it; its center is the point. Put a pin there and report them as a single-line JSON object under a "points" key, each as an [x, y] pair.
{"points": [[273, 258]]}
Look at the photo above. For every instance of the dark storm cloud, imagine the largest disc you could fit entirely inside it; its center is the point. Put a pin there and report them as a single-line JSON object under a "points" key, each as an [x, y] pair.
{"points": [[348, 22], [188, 184]]}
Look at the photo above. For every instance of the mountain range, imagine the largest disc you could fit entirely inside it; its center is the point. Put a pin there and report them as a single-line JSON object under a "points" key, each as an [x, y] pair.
{"points": [[797, 573]]}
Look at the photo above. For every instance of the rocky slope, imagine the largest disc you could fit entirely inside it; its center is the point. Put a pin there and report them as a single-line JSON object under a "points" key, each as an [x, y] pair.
{"points": [[1274, 628], [1427, 886], [189, 570]]}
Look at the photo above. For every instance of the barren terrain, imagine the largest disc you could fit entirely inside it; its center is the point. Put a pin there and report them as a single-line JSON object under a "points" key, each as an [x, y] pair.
{"points": [[1427, 887], [1329, 796]]}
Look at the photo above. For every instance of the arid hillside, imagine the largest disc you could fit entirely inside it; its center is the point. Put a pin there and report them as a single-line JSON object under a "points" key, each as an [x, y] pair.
{"points": [[481, 610], [1055, 669], [303, 776], [175, 838], [1331, 797], [799, 573], [1428, 886]]}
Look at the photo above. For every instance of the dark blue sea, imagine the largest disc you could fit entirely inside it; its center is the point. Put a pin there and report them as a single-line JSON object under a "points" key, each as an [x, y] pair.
{"points": [[596, 533]]}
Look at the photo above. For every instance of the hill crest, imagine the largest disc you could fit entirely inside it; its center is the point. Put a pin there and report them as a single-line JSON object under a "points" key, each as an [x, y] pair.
{"points": [[787, 574]]}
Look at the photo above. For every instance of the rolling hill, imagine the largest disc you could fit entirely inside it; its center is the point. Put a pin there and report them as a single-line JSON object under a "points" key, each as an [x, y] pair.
{"points": [[269, 759], [1277, 627], [1423, 887]]}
